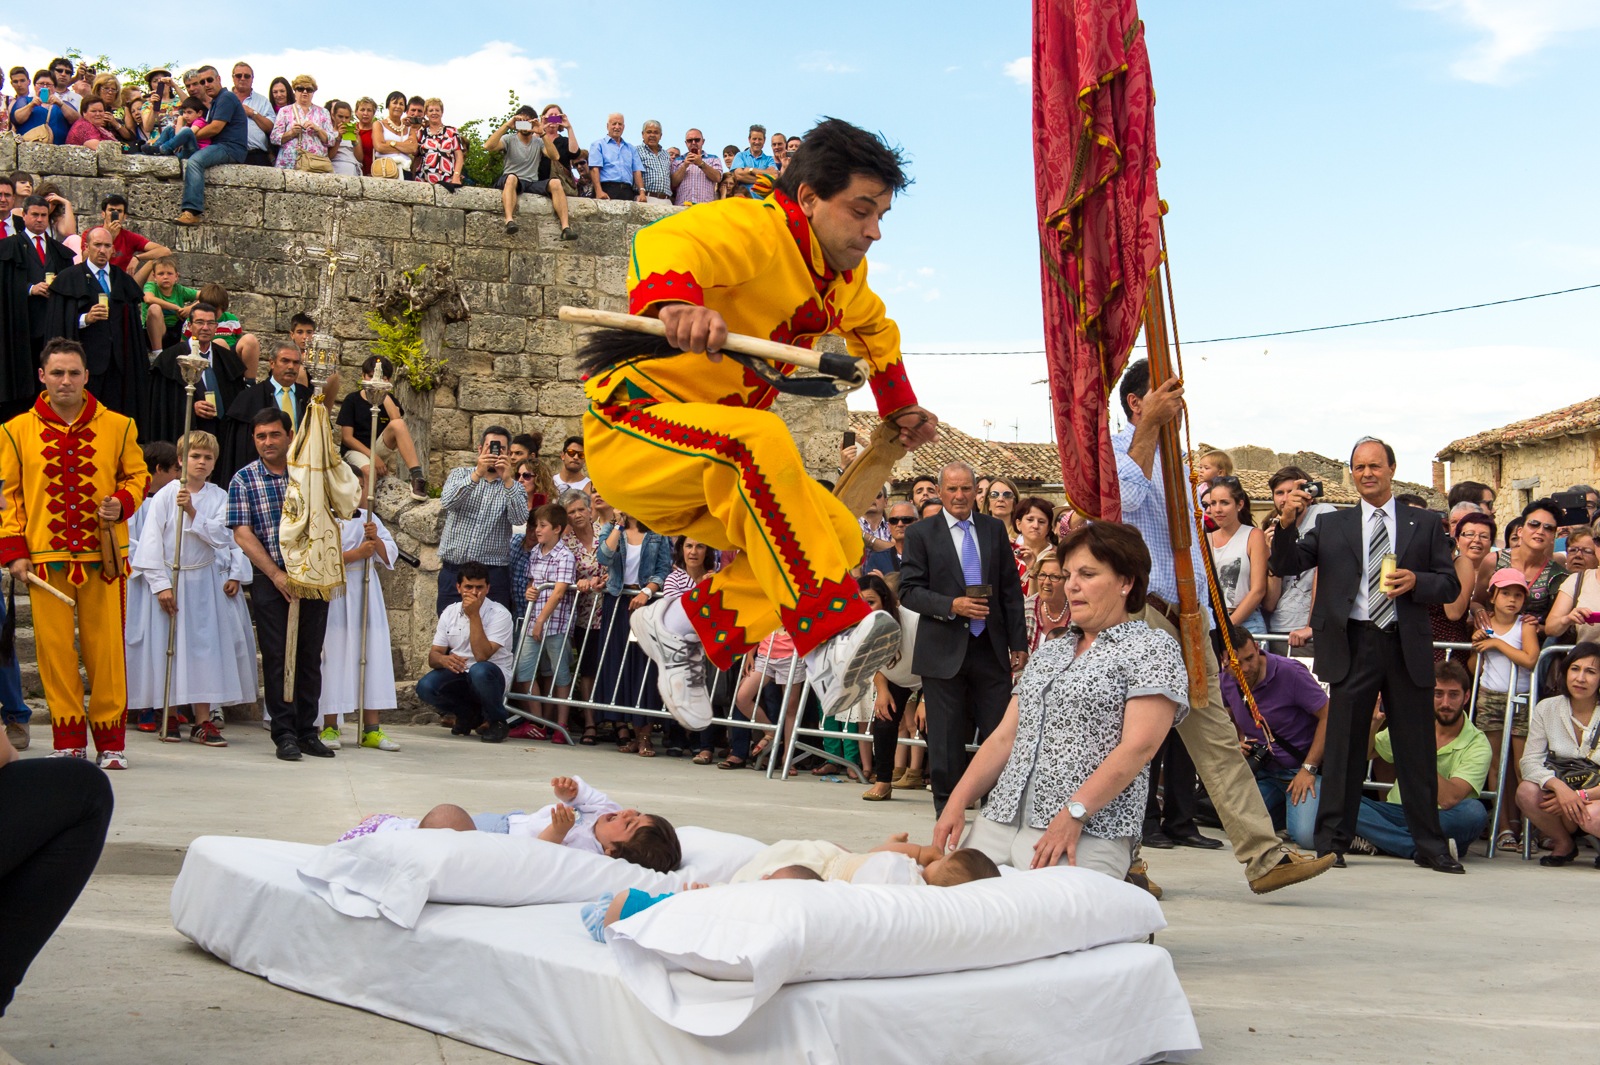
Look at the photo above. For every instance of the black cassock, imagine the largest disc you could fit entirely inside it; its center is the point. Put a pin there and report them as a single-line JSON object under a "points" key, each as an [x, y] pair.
{"points": [[239, 443], [119, 364], [225, 378], [24, 318]]}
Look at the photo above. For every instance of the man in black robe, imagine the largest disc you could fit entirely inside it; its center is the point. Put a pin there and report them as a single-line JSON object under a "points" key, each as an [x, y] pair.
{"points": [[280, 390], [215, 393], [97, 305], [26, 259]]}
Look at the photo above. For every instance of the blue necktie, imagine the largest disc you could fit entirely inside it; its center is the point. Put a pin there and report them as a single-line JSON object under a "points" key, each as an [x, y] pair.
{"points": [[971, 566], [105, 283]]}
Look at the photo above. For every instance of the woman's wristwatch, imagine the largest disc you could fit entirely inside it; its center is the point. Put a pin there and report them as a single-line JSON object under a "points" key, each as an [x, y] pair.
{"points": [[1077, 811]]}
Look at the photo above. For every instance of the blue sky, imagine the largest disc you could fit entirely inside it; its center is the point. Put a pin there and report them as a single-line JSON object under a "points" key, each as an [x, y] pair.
{"points": [[1323, 163]]}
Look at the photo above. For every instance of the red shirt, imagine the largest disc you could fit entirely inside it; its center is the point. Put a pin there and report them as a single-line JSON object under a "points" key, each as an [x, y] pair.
{"points": [[125, 247]]}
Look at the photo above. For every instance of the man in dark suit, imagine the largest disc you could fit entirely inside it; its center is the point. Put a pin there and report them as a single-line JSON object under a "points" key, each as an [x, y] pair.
{"points": [[967, 646], [1372, 637], [900, 516], [26, 259], [280, 390], [219, 387], [98, 305]]}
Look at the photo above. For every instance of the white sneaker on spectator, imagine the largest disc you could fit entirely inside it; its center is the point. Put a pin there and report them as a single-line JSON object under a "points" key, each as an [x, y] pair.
{"points": [[842, 669], [1358, 845], [680, 665]]}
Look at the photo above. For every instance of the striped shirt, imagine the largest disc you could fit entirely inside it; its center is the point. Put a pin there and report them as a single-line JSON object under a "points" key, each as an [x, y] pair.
{"points": [[536, 567], [255, 498], [695, 187]]}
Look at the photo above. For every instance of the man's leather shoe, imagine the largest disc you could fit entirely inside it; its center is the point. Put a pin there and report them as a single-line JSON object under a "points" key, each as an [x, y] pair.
{"points": [[289, 751], [1292, 869], [314, 746], [1157, 840], [1338, 858], [1198, 841], [495, 732], [1440, 863]]}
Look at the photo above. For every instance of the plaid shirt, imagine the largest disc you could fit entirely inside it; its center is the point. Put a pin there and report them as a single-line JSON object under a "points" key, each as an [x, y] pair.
{"points": [[255, 498], [536, 567], [695, 187], [478, 516], [1144, 506], [657, 167]]}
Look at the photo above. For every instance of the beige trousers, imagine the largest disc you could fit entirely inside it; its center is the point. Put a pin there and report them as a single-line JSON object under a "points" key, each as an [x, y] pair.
{"points": [[1213, 743], [1013, 845]]}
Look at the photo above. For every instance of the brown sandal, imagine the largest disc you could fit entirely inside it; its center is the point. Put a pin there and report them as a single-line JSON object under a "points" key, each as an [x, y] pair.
{"points": [[645, 750], [703, 758]]}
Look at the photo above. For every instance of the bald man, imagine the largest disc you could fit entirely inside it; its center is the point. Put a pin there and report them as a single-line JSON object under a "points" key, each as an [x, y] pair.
{"points": [[97, 304]]}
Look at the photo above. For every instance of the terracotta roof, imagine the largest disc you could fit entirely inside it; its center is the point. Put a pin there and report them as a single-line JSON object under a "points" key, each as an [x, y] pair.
{"points": [[1029, 464], [1583, 417]]}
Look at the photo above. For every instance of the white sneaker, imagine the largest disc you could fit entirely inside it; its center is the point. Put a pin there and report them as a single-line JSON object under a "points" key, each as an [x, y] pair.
{"points": [[330, 739], [68, 752], [218, 718], [112, 760], [1455, 852], [842, 669], [680, 665]]}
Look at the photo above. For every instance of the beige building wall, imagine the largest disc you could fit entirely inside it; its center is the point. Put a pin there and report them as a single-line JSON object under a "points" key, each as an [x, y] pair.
{"points": [[1557, 464]]}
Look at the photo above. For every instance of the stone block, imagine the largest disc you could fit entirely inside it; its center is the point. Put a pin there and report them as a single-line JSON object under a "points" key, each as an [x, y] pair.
{"points": [[602, 237], [335, 186], [437, 224], [151, 199], [257, 245], [423, 521], [85, 194], [283, 279], [528, 369], [495, 333], [61, 159], [562, 398], [531, 268], [611, 275], [558, 296], [480, 264], [310, 217], [369, 219], [616, 304], [575, 271], [451, 428], [550, 336], [8, 152], [521, 301], [468, 197], [234, 206], [397, 191], [256, 312], [487, 230], [161, 232], [392, 499], [475, 393], [247, 177], [155, 166]]}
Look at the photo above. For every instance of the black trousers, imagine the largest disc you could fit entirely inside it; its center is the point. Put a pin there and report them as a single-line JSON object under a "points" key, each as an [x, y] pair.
{"points": [[886, 734], [56, 815], [619, 190], [257, 157], [298, 720], [1173, 811], [1377, 667], [971, 702]]}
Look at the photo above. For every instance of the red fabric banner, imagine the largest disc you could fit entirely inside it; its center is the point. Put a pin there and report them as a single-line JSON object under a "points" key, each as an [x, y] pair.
{"points": [[1099, 220]]}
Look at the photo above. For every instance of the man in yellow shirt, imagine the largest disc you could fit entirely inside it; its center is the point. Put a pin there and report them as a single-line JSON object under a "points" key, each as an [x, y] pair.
{"points": [[73, 475], [685, 443]]}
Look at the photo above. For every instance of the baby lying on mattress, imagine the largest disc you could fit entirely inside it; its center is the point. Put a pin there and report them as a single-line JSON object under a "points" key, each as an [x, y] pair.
{"points": [[894, 861], [583, 818]]}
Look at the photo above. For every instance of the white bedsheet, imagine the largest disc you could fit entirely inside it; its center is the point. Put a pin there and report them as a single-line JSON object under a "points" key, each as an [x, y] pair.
{"points": [[528, 981]]}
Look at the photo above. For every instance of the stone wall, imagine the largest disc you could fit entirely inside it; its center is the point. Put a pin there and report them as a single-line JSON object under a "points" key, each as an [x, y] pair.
{"points": [[1553, 466], [511, 364]]}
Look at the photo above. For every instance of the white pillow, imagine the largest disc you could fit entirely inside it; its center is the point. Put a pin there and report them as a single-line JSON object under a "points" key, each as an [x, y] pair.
{"points": [[704, 961], [394, 874]]}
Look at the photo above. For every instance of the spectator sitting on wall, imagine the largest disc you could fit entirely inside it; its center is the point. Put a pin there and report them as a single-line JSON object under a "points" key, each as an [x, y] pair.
{"points": [[529, 149], [750, 165], [694, 175], [94, 127], [225, 129], [441, 151], [355, 430]]}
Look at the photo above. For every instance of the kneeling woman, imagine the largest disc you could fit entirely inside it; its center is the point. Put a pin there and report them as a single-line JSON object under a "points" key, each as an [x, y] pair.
{"points": [[1069, 764]]}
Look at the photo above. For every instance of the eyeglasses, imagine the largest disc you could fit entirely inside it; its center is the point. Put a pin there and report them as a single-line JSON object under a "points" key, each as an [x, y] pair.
{"points": [[694, 140], [1548, 526], [999, 493], [304, 88], [525, 477], [573, 453], [1049, 576], [900, 521], [243, 77]]}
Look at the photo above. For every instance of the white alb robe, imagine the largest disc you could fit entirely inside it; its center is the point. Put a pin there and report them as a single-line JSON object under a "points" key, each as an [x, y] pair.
{"points": [[143, 614], [341, 647], [215, 659]]}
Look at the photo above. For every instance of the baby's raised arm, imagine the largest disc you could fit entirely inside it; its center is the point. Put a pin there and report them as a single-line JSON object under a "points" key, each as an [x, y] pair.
{"points": [[576, 793], [900, 845]]}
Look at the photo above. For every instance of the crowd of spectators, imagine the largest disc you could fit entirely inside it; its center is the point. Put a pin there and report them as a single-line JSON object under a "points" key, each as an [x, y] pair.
{"points": [[196, 118]]}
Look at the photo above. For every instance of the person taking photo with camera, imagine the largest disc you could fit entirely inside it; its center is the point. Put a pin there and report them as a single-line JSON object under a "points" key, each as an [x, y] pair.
{"points": [[1288, 600], [530, 145]]}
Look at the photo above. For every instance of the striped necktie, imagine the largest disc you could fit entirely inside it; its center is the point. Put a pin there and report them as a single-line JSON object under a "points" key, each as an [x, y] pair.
{"points": [[1380, 608]]}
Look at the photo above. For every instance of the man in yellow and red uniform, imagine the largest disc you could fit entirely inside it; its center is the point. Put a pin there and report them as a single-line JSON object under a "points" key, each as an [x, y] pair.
{"points": [[685, 443], [74, 475]]}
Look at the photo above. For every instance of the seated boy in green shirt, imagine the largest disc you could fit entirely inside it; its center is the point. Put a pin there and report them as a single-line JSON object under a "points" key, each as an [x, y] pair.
{"points": [[175, 301]]}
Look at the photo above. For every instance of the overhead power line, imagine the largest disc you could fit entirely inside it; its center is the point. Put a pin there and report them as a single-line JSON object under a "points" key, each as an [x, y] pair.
{"points": [[1314, 328]]}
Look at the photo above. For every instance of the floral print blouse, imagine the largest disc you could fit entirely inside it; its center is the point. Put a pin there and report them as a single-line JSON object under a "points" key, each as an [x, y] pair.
{"points": [[1070, 711], [585, 611], [436, 154], [301, 143]]}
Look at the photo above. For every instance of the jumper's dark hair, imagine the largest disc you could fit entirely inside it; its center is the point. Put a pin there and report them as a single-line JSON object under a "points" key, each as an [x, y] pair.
{"points": [[1116, 545], [654, 845], [834, 152]]}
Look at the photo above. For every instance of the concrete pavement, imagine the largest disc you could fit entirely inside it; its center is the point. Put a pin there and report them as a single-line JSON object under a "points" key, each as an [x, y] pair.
{"points": [[1380, 962]]}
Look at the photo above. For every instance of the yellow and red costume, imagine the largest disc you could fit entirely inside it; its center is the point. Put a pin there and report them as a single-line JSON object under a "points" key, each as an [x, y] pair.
{"points": [[688, 446], [55, 476]]}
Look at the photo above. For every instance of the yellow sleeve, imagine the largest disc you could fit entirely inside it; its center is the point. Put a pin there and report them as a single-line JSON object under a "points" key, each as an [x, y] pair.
{"points": [[679, 258], [13, 519], [872, 335], [133, 478]]}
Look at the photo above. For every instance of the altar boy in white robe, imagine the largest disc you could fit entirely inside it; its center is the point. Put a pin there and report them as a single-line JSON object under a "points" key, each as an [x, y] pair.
{"points": [[214, 661], [365, 541], [141, 611]]}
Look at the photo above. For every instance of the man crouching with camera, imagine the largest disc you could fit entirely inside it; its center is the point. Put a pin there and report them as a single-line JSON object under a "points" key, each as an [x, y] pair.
{"points": [[1295, 708]]}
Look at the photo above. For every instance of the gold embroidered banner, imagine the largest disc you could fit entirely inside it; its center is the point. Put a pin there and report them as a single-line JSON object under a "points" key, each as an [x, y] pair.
{"points": [[322, 489]]}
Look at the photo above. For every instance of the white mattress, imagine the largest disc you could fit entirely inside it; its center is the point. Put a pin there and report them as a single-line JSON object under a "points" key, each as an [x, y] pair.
{"points": [[529, 982]]}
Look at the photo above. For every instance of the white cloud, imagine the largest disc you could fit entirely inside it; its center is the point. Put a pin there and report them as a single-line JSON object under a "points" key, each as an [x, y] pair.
{"points": [[1513, 30], [1020, 71], [824, 63], [925, 271], [930, 295]]}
